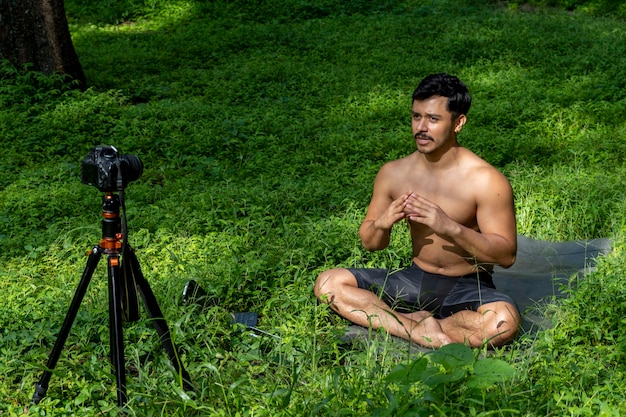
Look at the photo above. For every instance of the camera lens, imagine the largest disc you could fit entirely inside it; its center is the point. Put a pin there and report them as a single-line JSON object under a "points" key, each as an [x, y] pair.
{"points": [[132, 168]]}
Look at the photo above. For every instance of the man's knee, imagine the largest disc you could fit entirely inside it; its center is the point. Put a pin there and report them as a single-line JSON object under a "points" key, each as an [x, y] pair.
{"points": [[328, 284], [503, 322]]}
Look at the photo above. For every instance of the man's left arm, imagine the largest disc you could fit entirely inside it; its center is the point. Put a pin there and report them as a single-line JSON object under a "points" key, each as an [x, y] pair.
{"points": [[496, 239]]}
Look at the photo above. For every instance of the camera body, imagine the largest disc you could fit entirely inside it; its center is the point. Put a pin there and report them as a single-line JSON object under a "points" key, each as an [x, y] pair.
{"points": [[107, 170]]}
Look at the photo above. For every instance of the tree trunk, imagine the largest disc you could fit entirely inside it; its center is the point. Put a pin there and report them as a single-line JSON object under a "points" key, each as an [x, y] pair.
{"points": [[36, 32]]}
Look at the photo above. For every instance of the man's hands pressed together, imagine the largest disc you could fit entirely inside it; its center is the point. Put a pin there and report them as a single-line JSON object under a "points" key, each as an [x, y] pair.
{"points": [[423, 211]]}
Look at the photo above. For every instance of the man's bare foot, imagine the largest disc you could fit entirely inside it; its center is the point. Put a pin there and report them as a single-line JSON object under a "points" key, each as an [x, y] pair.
{"points": [[427, 331]]}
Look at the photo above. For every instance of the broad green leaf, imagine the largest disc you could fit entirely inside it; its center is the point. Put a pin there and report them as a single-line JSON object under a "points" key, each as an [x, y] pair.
{"points": [[453, 355], [408, 373], [490, 371]]}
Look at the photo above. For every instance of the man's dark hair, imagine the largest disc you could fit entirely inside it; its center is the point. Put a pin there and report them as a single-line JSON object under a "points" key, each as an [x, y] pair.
{"points": [[445, 85]]}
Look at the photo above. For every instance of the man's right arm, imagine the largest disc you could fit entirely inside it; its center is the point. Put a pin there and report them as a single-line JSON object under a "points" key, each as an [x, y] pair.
{"points": [[382, 213]]}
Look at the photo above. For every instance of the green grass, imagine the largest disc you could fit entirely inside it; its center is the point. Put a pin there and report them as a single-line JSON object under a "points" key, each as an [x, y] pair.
{"points": [[261, 126]]}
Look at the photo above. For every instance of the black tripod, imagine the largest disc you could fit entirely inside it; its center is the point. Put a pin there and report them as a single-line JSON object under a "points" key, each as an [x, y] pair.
{"points": [[125, 278]]}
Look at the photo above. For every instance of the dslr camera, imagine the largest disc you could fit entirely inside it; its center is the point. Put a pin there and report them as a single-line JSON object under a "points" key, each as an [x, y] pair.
{"points": [[107, 170]]}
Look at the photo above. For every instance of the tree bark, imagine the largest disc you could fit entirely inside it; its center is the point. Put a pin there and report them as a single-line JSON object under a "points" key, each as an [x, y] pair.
{"points": [[36, 32]]}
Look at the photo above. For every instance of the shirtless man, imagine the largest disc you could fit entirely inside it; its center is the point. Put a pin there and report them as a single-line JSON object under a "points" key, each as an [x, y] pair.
{"points": [[461, 217]]}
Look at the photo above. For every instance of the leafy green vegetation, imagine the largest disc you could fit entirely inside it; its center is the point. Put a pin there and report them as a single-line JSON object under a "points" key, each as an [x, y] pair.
{"points": [[261, 126], [594, 7]]}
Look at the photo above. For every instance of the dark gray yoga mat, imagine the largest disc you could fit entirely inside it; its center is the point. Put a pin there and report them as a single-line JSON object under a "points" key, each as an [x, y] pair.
{"points": [[542, 268]]}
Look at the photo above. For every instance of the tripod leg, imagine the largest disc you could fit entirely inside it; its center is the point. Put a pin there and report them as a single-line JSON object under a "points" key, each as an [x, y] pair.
{"points": [[158, 321], [42, 386], [116, 335]]}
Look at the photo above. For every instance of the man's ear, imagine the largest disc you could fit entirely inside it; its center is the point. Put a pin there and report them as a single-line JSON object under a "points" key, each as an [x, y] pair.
{"points": [[459, 122]]}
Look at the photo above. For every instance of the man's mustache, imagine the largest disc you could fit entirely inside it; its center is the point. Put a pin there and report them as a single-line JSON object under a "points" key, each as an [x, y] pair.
{"points": [[422, 136]]}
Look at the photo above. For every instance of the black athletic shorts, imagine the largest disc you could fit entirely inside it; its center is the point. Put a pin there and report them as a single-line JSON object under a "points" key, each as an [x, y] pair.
{"points": [[413, 289]]}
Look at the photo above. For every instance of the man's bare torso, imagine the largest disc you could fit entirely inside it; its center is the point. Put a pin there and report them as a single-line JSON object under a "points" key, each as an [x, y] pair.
{"points": [[454, 189]]}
